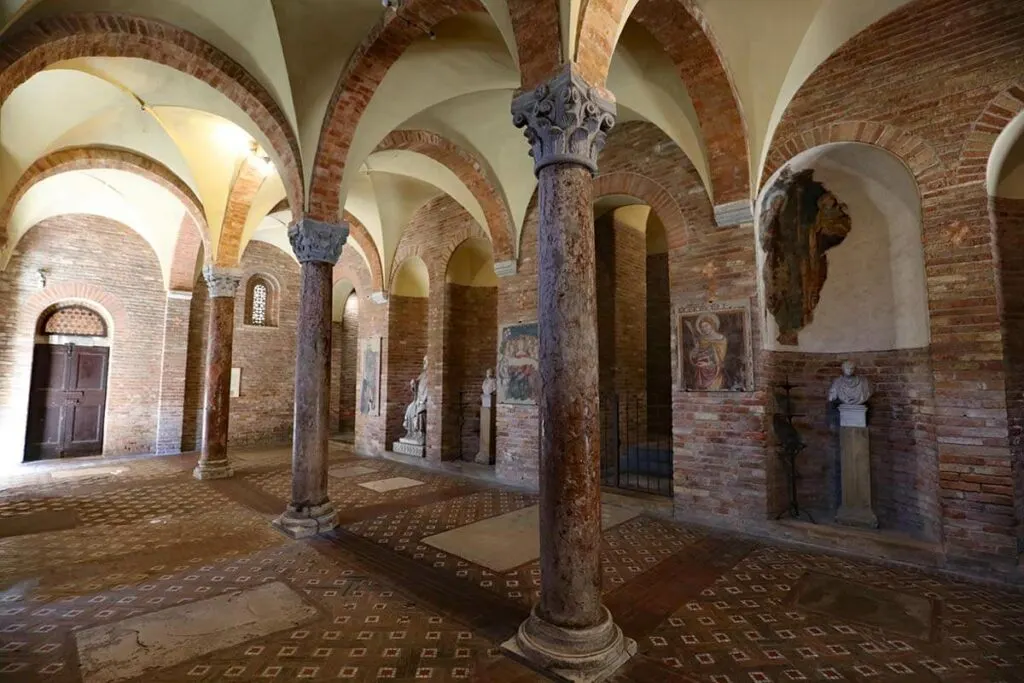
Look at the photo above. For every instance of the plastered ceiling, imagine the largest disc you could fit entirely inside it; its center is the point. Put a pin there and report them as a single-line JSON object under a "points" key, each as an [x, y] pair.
{"points": [[458, 84]]}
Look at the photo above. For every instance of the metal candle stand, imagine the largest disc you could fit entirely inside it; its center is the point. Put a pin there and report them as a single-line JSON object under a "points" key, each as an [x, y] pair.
{"points": [[790, 445]]}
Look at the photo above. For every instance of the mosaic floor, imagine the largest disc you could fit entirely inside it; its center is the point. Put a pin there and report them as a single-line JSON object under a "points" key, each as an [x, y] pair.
{"points": [[134, 571]]}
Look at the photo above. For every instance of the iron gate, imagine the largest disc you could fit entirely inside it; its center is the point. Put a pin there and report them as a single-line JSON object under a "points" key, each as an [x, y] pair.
{"points": [[636, 447]]}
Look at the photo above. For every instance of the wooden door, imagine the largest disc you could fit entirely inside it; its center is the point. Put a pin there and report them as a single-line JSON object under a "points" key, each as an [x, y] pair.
{"points": [[67, 402]]}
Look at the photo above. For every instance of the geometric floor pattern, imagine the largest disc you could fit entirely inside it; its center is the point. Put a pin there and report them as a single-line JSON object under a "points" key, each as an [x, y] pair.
{"points": [[129, 541]]}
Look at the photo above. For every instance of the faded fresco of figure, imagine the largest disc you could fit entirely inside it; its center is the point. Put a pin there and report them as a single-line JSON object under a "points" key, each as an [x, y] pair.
{"points": [[800, 221], [709, 353]]}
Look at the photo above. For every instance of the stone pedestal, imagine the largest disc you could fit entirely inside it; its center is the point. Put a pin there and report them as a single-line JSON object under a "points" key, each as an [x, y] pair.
{"points": [[569, 633], [488, 432], [855, 459], [317, 247], [408, 446], [222, 284]]}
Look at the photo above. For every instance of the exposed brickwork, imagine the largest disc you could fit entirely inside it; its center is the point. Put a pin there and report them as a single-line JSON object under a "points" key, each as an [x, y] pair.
{"points": [[1008, 220], [472, 321], [406, 341], [536, 25], [365, 70], [263, 411], [904, 465], [659, 344], [173, 371], [108, 267], [941, 128], [680, 27], [358, 233], [346, 341], [243, 190], [51, 40], [469, 169], [193, 233], [434, 233]]}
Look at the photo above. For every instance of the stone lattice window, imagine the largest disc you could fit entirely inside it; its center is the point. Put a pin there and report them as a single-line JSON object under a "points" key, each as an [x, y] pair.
{"points": [[260, 302], [74, 321]]}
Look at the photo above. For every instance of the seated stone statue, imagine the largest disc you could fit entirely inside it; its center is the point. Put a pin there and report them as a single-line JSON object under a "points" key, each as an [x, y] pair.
{"points": [[849, 389], [415, 421]]}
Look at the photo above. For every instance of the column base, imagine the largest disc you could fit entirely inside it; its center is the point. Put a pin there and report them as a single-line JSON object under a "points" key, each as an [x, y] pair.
{"points": [[575, 655], [863, 518], [212, 470], [311, 521]]}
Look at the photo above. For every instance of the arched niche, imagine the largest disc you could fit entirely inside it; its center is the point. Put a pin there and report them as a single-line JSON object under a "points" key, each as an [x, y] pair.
{"points": [[1005, 176], [469, 346], [411, 279], [874, 295]]}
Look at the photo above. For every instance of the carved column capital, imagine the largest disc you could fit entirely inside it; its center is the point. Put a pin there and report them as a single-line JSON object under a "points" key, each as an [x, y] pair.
{"points": [[316, 241], [221, 282], [565, 120]]}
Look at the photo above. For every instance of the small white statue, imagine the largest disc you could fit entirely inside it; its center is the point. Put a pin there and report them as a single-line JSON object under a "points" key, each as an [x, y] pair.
{"points": [[849, 389], [488, 389], [415, 421]]}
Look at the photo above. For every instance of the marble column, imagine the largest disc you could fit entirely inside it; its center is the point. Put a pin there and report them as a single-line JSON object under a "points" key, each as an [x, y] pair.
{"points": [[317, 247], [222, 284], [569, 633]]}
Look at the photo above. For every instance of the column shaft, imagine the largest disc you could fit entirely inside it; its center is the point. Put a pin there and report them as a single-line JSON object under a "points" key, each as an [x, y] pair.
{"points": [[213, 460]]}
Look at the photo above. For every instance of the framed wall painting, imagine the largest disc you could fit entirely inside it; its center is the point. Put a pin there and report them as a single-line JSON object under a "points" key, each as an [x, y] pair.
{"points": [[519, 364], [715, 347], [369, 383]]}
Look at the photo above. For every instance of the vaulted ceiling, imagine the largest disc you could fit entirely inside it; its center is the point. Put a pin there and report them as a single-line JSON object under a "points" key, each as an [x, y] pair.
{"points": [[454, 81]]}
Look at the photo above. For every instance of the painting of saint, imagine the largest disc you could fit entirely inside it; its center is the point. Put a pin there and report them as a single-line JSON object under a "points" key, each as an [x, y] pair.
{"points": [[518, 364], [715, 351], [369, 385]]}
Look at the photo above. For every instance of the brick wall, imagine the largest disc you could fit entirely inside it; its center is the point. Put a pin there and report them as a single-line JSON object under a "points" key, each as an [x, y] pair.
{"points": [[263, 411], [659, 345], [904, 466], [103, 256], [406, 346], [472, 317], [346, 347], [1008, 219]]}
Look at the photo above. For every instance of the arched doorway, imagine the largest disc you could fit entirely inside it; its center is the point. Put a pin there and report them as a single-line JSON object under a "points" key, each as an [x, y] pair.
{"points": [[68, 393], [346, 358]]}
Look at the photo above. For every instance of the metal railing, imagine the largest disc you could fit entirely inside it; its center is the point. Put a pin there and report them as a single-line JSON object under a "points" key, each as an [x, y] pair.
{"points": [[635, 453]]}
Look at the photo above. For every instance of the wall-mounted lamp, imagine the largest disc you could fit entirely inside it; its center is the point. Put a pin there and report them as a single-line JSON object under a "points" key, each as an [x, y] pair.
{"points": [[394, 6], [41, 274], [260, 159]]}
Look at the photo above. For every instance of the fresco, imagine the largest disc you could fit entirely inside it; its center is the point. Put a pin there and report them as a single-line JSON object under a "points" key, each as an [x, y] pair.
{"points": [[800, 221], [369, 385], [518, 364], [716, 350]]}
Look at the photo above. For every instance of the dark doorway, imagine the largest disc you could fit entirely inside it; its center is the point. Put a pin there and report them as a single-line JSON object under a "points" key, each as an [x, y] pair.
{"points": [[67, 401]]}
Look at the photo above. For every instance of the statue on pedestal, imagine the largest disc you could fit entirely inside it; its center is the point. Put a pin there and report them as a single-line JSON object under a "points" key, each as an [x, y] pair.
{"points": [[487, 419], [488, 389], [415, 420], [849, 389]]}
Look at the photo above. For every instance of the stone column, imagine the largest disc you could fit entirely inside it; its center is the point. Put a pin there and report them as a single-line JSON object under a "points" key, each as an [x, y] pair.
{"points": [[855, 459], [569, 632], [222, 283], [317, 247]]}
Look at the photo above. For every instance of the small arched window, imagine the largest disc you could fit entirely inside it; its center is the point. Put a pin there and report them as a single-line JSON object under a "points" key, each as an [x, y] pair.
{"points": [[72, 321], [260, 303]]}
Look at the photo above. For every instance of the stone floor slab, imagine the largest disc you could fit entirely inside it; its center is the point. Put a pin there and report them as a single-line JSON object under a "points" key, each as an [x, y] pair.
{"points": [[391, 484], [343, 471], [128, 648], [507, 541]]}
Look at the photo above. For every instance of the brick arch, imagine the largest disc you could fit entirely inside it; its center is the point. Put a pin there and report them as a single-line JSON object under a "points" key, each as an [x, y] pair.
{"points": [[366, 68], [101, 34], [247, 184], [193, 233], [681, 29], [537, 28], [441, 244], [650, 193], [85, 292], [358, 233], [469, 169], [353, 269], [972, 166], [919, 157]]}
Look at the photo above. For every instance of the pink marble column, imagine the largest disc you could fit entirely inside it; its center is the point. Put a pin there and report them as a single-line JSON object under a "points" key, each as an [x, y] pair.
{"points": [[317, 247], [222, 283], [569, 633]]}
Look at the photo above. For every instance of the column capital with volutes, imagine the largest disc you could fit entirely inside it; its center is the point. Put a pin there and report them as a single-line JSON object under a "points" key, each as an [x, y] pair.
{"points": [[316, 241], [565, 119], [221, 282]]}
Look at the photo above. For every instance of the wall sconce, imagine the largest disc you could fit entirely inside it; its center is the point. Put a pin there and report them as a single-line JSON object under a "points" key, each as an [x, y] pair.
{"points": [[41, 274]]}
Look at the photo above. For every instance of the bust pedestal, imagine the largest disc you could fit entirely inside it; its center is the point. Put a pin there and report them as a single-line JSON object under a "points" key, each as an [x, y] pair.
{"points": [[487, 430], [854, 455]]}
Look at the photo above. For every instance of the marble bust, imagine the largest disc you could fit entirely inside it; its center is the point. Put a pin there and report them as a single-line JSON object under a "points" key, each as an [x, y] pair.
{"points": [[488, 389], [849, 389]]}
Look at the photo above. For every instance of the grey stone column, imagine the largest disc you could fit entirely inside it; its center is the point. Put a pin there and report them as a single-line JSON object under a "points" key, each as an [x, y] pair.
{"points": [[317, 247], [222, 284], [569, 632]]}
